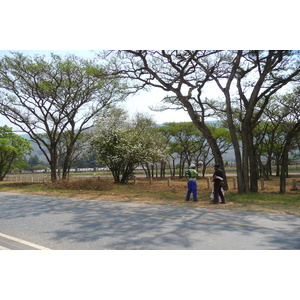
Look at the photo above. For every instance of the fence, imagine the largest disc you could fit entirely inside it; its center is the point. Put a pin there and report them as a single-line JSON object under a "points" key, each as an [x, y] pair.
{"points": [[262, 183], [232, 181], [26, 178]]}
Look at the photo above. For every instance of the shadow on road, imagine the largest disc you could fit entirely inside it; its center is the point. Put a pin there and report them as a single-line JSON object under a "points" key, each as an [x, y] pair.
{"points": [[84, 224]]}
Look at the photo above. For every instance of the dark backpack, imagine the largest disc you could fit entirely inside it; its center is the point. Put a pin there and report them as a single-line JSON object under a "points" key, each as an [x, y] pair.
{"points": [[188, 174]]}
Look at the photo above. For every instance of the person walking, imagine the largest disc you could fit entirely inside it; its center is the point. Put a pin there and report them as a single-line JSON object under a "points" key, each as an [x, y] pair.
{"points": [[191, 175], [217, 180]]}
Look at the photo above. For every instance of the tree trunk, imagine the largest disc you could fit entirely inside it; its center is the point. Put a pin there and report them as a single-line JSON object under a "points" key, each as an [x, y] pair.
{"points": [[53, 164], [284, 167], [245, 165], [285, 156], [181, 166], [210, 139], [163, 169], [253, 165], [242, 183], [53, 172], [173, 173]]}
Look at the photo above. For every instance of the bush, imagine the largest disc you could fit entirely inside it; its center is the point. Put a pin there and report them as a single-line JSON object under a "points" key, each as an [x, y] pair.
{"points": [[82, 184]]}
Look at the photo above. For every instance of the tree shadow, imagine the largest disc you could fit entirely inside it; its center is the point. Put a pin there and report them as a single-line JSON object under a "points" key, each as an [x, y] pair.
{"points": [[90, 224]]}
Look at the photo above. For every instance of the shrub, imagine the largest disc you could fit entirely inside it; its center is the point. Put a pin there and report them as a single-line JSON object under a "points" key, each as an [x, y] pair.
{"points": [[82, 184]]}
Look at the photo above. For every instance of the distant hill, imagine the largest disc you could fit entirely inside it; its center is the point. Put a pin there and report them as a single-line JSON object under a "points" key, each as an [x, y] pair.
{"points": [[37, 151], [229, 156]]}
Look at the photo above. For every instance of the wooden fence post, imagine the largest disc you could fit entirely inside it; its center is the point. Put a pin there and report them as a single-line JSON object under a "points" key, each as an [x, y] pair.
{"points": [[169, 182], [234, 183], [294, 185], [208, 183], [262, 183], [134, 180]]}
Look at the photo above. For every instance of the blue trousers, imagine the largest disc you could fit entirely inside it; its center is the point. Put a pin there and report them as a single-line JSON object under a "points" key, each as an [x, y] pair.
{"points": [[192, 188]]}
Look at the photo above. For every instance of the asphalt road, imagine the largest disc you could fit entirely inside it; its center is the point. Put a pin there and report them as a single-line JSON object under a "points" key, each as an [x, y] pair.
{"points": [[29, 222]]}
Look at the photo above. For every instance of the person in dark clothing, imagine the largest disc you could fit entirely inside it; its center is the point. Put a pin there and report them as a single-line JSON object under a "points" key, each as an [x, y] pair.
{"points": [[217, 179]]}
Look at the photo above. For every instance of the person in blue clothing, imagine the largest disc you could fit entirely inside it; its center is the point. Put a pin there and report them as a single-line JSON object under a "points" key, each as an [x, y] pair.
{"points": [[191, 175]]}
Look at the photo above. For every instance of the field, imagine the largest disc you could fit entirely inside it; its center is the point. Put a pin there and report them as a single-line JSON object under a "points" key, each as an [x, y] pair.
{"points": [[162, 191]]}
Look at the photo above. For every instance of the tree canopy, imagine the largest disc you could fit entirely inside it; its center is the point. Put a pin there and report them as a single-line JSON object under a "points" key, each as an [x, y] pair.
{"points": [[54, 99], [13, 149], [123, 144], [246, 80]]}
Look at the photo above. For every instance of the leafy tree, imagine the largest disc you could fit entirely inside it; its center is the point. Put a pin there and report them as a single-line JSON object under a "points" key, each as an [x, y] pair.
{"points": [[13, 149], [266, 136], [121, 145], [258, 75], [188, 145], [33, 160], [277, 136], [176, 72], [34, 163], [145, 126], [85, 160], [54, 100], [67, 156], [247, 80], [291, 125], [185, 141]]}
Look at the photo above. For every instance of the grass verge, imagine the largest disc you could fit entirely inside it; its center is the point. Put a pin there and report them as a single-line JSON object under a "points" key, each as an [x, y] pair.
{"points": [[158, 192]]}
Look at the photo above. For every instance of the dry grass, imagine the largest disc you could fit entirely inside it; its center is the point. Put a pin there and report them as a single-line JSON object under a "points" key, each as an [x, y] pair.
{"points": [[158, 192], [88, 184]]}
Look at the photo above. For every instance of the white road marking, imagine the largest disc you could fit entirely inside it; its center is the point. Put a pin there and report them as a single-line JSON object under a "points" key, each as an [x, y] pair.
{"points": [[21, 242], [3, 248]]}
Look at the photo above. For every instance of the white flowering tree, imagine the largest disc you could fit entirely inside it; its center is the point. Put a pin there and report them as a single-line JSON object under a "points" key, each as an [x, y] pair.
{"points": [[121, 145], [155, 141]]}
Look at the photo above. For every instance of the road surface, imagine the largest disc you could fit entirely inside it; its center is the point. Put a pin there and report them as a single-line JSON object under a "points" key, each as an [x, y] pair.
{"points": [[33, 222]]}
